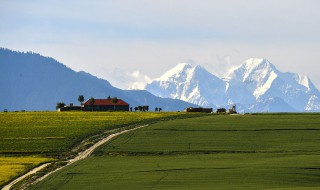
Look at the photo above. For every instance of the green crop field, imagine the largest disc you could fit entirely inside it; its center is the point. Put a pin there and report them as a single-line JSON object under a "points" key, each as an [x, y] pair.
{"points": [[279, 151], [29, 138]]}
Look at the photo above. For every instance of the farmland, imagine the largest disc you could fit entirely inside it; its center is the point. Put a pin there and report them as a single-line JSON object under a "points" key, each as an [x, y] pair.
{"points": [[271, 151], [30, 138], [11, 166]]}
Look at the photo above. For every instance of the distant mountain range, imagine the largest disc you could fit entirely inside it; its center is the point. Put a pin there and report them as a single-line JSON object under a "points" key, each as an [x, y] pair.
{"points": [[30, 81], [255, 86]]}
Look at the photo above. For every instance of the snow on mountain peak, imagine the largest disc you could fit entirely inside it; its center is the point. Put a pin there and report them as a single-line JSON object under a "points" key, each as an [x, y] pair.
{"points": [[256, 66], [254, 62], [190, 83], [253, 67], [303, 80], [257, 74], [183, 65], [175, 72], [262, 80]]}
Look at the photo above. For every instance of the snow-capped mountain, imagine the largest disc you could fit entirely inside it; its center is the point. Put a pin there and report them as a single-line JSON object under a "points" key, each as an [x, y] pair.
{"points": [[192, 84], [256, 85], [262, 81]]}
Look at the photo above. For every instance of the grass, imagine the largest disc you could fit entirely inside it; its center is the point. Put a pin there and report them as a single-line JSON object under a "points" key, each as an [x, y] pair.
{"points": [[55, 135], [214, 152]]}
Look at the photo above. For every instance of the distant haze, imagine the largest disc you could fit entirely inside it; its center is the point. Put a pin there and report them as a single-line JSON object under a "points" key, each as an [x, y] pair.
{"points": [[131, 42]]}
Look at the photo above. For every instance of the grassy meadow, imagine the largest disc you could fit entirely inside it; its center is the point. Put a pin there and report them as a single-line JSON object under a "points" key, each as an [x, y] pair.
{"points": [[30, 138], [272, 151]]}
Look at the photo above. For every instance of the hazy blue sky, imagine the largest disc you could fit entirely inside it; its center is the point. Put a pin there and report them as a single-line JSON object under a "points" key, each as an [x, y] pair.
{"points": [[140, 39]]}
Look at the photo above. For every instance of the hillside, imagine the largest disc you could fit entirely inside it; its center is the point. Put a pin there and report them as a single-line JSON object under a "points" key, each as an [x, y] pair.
{"points": [[34, 82]]}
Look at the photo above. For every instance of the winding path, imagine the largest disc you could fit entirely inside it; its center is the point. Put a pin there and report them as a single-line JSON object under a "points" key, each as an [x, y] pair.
{"points": [[81, 156]]}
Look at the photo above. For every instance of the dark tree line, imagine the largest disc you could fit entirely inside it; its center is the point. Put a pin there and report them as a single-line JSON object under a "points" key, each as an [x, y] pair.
{"points": [[145, 108], [141, 108]]}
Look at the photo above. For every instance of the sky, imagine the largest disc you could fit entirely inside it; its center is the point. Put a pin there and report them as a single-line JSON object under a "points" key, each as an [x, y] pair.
{"points": [[131, 42]]}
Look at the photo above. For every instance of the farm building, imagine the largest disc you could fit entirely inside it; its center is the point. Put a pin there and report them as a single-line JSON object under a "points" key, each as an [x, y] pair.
{"points": [[221, 110], [233, 110], [106, 105], [205, 110]]}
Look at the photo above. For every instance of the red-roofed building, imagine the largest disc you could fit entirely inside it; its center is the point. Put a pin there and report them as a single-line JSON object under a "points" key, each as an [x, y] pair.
{"points": [[106, 105]]}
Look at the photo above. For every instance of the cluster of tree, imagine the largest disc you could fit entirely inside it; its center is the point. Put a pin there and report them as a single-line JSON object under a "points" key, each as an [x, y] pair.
{"points": [[140, 108], [157, 109], [60, 105], [145, 108], [80, 99], [113, 100]]}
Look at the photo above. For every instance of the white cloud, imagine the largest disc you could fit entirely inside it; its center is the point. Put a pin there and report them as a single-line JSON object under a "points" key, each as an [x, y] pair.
{"points": [[125, 79], [221, 67], [140, 80]]}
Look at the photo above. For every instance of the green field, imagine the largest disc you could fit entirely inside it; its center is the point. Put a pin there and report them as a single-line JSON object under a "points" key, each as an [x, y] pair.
{"points": [[47, 135], [213, 152], [11, 166]]}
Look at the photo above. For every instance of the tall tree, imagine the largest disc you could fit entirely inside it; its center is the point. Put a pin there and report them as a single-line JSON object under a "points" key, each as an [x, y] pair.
{"points": [[91, 102], [81, 99]]}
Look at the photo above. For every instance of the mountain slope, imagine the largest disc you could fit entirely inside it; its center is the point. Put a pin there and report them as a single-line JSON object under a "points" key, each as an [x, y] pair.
{"points": [[273, 104], [33, 82]]}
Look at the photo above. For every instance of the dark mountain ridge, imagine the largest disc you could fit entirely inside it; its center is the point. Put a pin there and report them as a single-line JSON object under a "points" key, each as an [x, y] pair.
{"points": [[30, 81]]}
